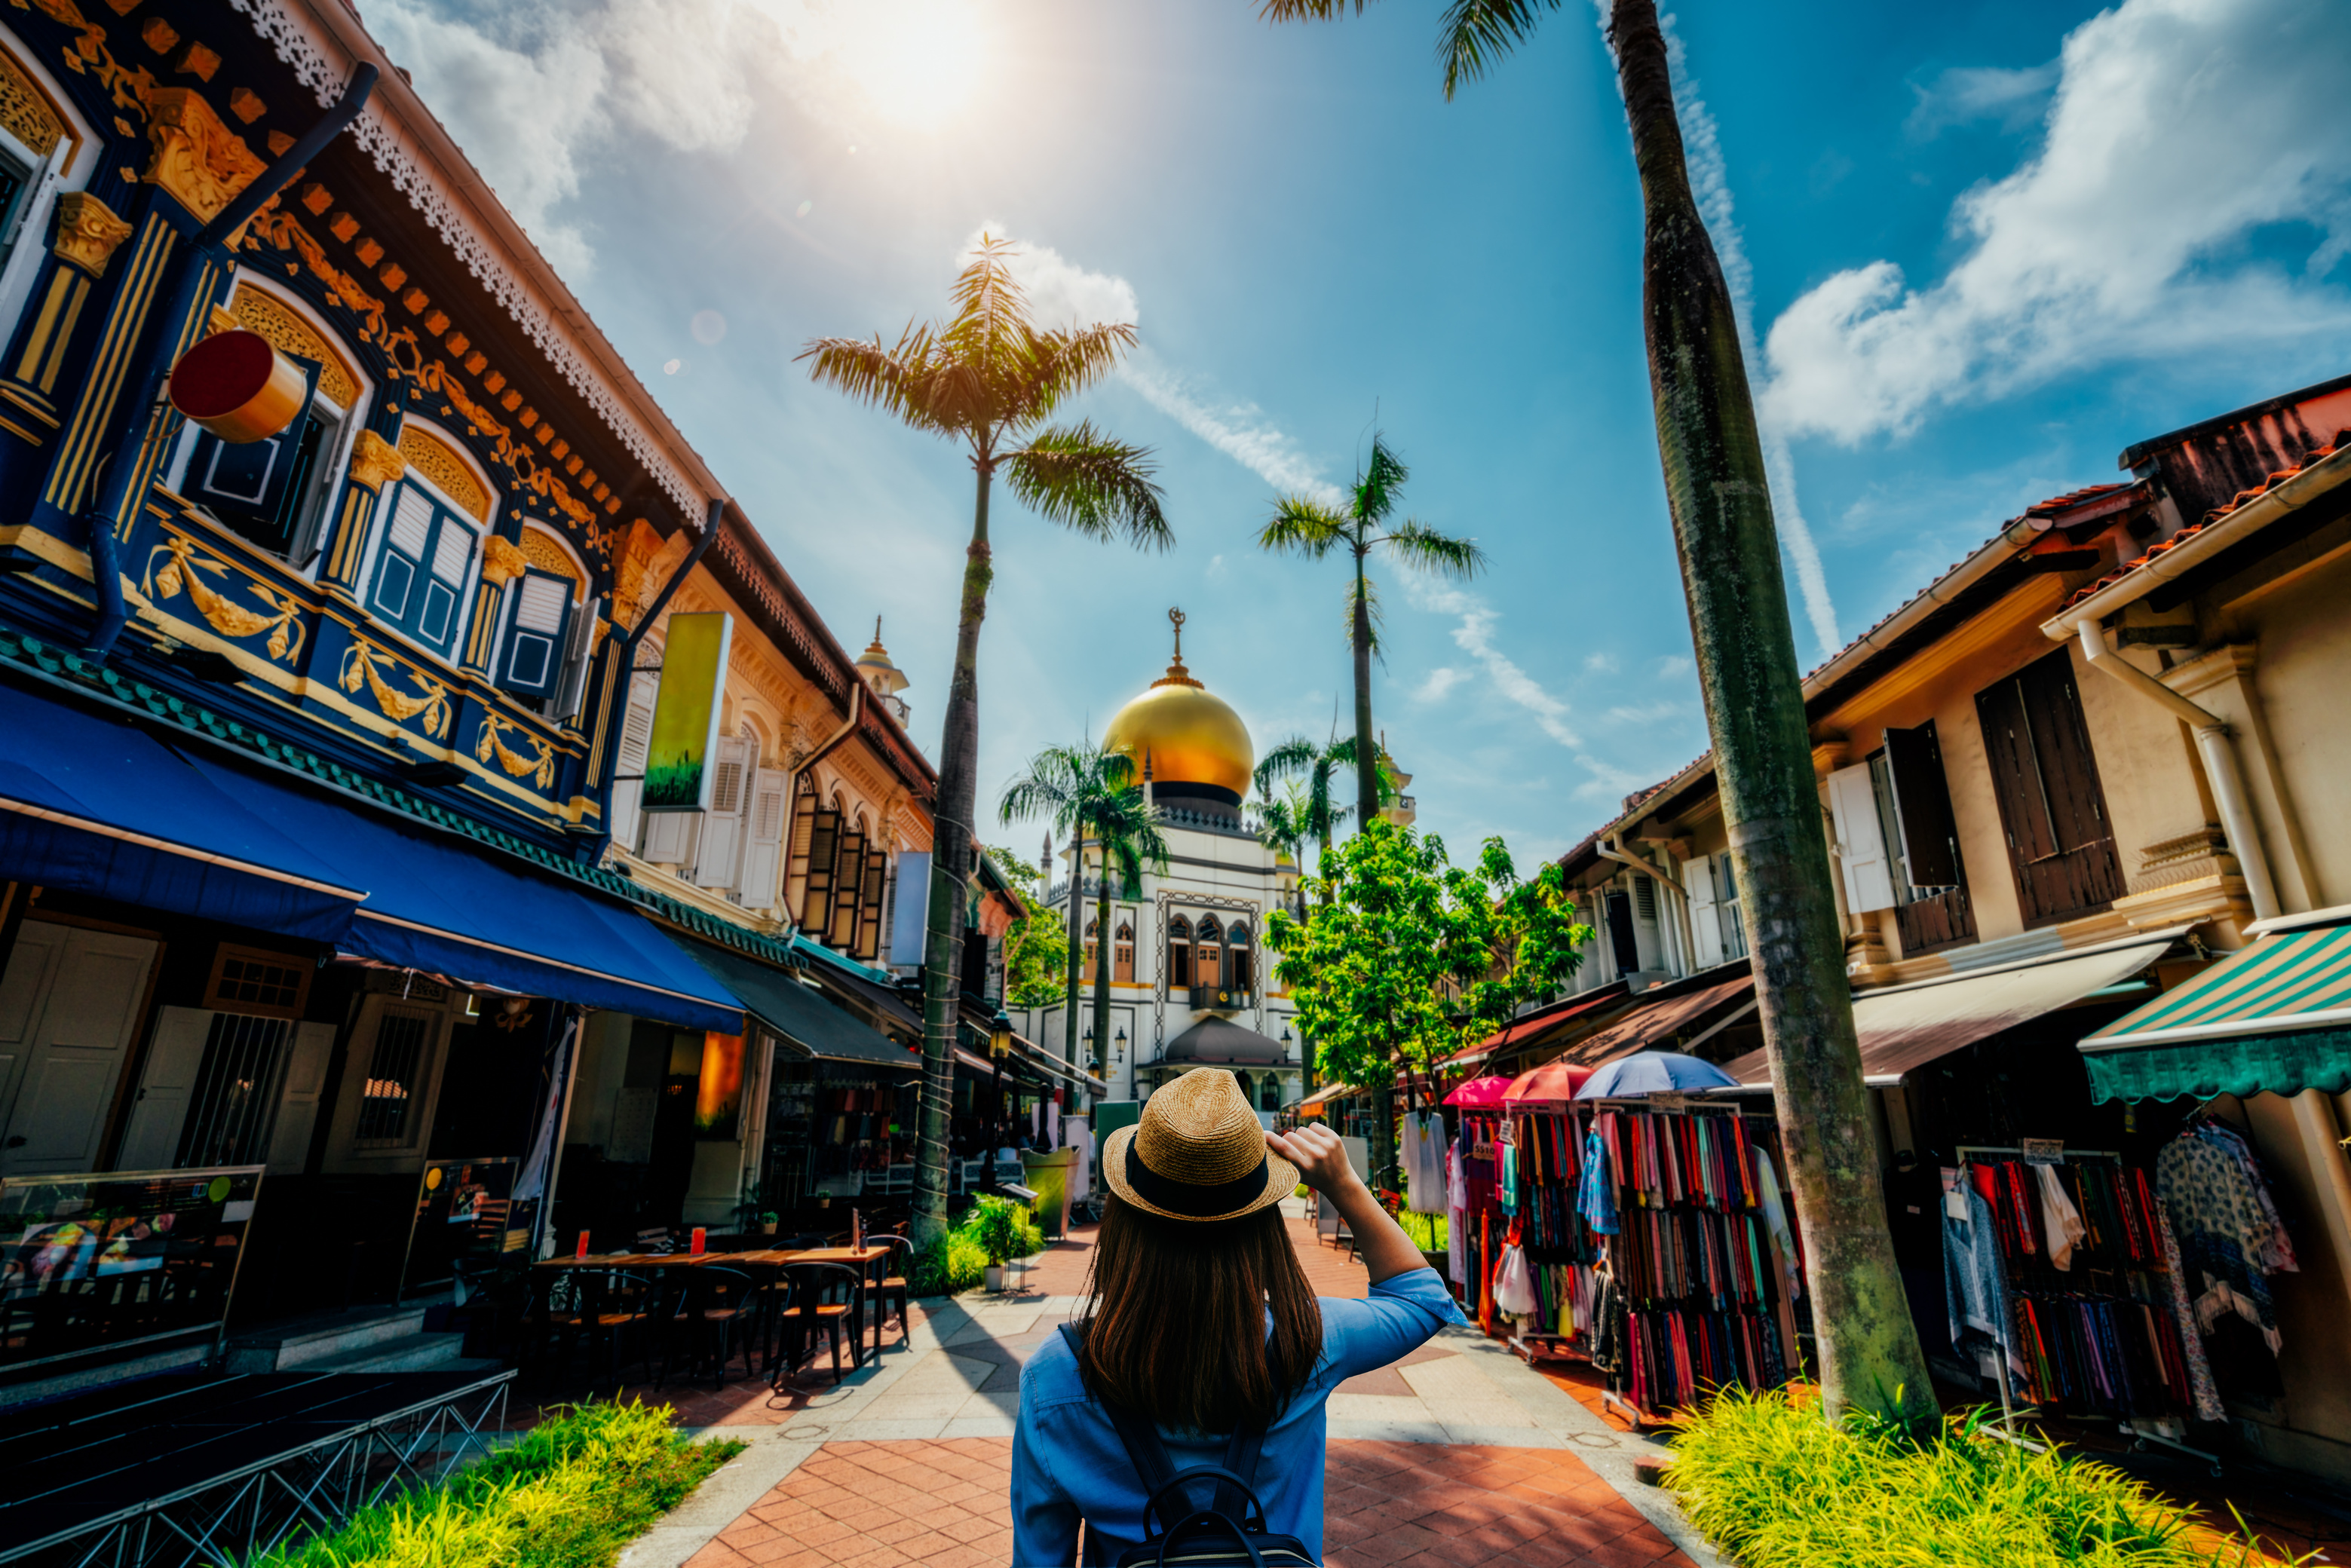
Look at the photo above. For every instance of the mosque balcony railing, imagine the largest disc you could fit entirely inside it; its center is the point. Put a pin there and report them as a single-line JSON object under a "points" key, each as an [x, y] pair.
{"points": [[1203, 822], [1222, 999]]}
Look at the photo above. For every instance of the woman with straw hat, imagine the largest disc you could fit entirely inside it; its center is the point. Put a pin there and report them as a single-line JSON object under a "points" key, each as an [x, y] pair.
{"points": [[1200, 1321]]}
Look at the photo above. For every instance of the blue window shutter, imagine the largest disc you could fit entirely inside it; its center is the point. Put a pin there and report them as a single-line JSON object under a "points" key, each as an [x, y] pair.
{"points": [[420, 577], [532, 660]]}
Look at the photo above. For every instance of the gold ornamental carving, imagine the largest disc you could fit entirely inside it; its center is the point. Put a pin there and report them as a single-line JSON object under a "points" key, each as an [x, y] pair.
{"points": [[87, 232], [432, 458], [364, 665], [198, 160], [183, 569], [376, 462], [502, 560], [517, 763], [540, 549], [26, 110], [288, 333]]}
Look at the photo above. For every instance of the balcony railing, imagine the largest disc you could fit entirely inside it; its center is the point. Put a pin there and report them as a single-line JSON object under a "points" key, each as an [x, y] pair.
{"points": [[1222, 999]]}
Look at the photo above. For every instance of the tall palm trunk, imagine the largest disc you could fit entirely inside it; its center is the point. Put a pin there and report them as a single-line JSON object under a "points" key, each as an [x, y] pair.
{"points": [[1077, 939], [1729, 552], [1367, 761], [951, 838], [1102, 967]]}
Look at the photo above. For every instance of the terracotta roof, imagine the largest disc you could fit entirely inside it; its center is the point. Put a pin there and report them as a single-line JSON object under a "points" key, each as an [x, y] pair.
{"points": [[2216, 515]]}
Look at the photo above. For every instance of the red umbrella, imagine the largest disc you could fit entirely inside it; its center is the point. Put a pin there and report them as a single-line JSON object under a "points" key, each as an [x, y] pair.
{"points": [[1554, 1082], [1479, 1093]]}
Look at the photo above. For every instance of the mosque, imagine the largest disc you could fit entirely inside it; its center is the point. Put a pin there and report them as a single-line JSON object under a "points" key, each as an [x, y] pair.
{"points": [[1191, 982]]}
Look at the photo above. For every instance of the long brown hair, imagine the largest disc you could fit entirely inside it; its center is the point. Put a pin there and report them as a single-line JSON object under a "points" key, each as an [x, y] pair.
{"points": [[1175, 1324]]}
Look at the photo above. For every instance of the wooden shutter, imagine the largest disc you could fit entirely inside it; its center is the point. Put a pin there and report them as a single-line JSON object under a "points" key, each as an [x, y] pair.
{"points": [[763, 852], [2015, 773], [796, 851], [175, 1056], [298, 1102], [722, 825], [824, 841], [1706, 933], [870, 893], [628, 759], [848, 880], [2046, 780], [399, 584], [1922, 804], [533, 659], [1861, 843]]}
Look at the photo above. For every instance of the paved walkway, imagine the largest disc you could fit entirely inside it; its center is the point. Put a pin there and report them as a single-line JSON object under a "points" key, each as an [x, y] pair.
{"points": [[1458, 1455]]}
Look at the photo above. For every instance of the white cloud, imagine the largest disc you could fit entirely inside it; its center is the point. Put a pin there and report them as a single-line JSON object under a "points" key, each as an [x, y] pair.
{"points": [[1647, 713], [1969, 93], [1673, 665], [2179, 129], [1440, 681], [1239, 431], [1060, 292], [1601, 664], [1473, 633]]}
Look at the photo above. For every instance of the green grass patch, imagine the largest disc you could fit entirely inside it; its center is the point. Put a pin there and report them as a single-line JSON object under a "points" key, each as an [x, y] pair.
{"points": [[1428, 1231], [1772, 1484], [571, 1494]]}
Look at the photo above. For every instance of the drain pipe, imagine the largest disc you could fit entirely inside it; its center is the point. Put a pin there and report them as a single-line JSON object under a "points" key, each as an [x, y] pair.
{"points": [[2220, 762]]}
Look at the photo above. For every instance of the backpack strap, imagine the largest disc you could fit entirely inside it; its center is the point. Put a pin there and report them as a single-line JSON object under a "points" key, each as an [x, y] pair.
{"points": [[1148, 1454], [1144, 1451]]}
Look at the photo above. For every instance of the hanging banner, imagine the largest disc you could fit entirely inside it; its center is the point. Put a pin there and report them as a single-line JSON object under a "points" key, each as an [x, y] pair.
{"points": [[678, 774]]}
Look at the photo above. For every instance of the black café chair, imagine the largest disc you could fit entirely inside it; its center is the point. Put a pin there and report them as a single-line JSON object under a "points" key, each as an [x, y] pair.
{"points": [[609, 1307], [717, 1308], [890, 1291], [825, 1299]]}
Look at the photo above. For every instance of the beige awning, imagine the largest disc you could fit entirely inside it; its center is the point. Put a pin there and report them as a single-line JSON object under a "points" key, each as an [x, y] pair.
{"points": [[1650, 1023], [1906, 1027]]}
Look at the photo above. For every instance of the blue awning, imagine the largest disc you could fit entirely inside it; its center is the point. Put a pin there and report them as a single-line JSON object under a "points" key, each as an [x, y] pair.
{"points": [[95, 804], [435, 904]]}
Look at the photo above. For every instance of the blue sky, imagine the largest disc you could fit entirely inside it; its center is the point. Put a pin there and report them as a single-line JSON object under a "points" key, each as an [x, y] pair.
{"points": [[1983, 247]]}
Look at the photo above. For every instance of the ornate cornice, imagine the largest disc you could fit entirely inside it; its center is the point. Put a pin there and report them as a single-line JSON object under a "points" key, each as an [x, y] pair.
{"points": [[198, 162], [502, 562], [376, 462], [87, 232]]}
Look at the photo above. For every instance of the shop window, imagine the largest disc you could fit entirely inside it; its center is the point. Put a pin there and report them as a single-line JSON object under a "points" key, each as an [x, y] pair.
{"points": [[1091, 941], [1239, 964], [251, 980], [1208, 954], [422, 565], [2045, 778], [274, 492], [394, 1080], [1121, 954], [234, 1092], [532, 663], [1179, 952]]}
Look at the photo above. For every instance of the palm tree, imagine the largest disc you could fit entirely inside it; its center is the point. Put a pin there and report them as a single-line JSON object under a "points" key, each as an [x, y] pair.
{"points": [[1071, 785], [1316, 815], [1303, 526], [990, 378], [1721, 507]]}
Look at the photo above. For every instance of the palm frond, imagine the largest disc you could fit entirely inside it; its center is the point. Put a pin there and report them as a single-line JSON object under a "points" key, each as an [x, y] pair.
{"points": [[1055, 787], [896, 380], [991, 310], [1371, 604], [1308, 10], [1303, 527], [1474, 34], [1295, 756], [1422, 549], [1066, 361], [1383, 477], [1091, 484]]}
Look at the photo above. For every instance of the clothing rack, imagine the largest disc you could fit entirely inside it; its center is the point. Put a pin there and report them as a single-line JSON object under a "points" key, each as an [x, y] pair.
{"points": [[2141, 1434]]}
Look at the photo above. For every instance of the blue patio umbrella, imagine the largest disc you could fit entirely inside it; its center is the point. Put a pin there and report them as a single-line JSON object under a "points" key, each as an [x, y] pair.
{"points": [[1649, 1071]]}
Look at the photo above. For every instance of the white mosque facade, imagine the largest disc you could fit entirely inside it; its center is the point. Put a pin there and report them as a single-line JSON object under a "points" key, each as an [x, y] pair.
{"points": [[1191, 982]]}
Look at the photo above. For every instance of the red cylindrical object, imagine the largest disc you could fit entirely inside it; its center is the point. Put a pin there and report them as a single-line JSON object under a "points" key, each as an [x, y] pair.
{"points": [[698, 1238], [238, 387], [582, 1251]]}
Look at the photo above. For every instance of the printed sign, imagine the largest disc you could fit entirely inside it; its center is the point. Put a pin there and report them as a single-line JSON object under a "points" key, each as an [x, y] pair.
{"points": [[2043, 1151], [678, 771], [1673, 1101]]}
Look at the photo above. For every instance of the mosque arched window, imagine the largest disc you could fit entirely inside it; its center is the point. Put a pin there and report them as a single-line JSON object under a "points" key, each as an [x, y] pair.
{"points": [[1179, 952], [1240, 960], [1121, 954], [1092, 938], [1209, 953]]}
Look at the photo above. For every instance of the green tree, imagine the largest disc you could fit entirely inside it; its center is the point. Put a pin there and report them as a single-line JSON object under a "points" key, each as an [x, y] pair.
{"points": [[1036, 945], [1412, 958], [1303, 526], [989, 379], [1090, 793], [1716, 490]]}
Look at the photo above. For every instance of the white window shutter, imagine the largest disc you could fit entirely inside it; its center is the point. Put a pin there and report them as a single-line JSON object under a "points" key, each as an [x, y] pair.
{"points": [[1860, 845], [298, 1104], [629, 759], [722, 825], [173, 1059], [669, 837], [763, 853], [1706, 933]]}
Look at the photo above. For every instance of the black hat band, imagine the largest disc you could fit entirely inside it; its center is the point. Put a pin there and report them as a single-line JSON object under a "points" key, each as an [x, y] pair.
{"points": [[1186, 1199]]}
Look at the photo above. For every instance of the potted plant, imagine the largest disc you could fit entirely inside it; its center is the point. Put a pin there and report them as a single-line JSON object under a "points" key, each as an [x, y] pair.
{"points": [[995, 1226], [769, 1220]]}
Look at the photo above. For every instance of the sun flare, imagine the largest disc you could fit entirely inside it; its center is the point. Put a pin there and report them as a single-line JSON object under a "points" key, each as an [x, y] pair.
{"points": [[914, 63]]}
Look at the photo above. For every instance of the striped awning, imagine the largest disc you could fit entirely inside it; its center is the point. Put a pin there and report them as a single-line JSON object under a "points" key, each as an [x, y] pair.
{"points": [[2273, 1018]]}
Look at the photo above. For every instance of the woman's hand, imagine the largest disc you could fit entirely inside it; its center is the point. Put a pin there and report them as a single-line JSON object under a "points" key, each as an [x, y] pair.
{"points": [[1319, 1157]]}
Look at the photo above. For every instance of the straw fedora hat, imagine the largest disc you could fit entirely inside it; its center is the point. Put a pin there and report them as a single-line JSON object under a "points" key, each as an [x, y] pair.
{"points": [[1198, 1153]]}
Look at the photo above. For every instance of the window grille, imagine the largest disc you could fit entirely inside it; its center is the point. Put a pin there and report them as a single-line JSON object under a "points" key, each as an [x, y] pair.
{"points": [[393, 1081], [235, 1091]]}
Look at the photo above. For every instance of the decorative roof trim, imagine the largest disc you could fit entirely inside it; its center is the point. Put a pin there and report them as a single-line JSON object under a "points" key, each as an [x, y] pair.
{"points": [[301, 49]]}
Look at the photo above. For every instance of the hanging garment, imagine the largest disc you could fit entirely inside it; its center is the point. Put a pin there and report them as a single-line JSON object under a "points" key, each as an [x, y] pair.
{"points": [[2276, 1248], [2206, 1393], [2221, 1226], [2060, 1222], [1506, 1182], [1775, 1222], [1596, 1199], [1975, 1283], [1457, 1220], [1513, 1292]]}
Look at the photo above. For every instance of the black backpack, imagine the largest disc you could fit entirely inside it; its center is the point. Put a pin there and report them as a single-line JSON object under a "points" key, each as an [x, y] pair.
{"points": [[1208, 1516]]}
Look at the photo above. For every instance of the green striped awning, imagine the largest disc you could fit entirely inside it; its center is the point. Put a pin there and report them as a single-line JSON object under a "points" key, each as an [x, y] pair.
{"points": [[2273, 1018]]}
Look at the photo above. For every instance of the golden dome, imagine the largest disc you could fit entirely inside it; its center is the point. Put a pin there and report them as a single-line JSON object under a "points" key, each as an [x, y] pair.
{"points": [[1188, 736]]}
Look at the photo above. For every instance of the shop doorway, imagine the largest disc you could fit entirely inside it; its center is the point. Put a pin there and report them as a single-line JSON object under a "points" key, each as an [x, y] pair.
{"points": [[71, 1000]]}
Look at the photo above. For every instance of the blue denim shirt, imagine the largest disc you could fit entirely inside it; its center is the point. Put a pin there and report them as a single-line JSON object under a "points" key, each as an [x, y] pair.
{"points": [[1068, 1463]]}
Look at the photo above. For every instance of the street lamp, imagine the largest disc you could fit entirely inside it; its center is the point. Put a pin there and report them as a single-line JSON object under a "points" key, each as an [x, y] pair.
{"points": [[1119, 1040], [1000, 1046]]}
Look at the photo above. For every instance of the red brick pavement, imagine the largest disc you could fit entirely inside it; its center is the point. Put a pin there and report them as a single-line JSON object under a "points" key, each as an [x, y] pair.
{"points": [[1409, 1505]]}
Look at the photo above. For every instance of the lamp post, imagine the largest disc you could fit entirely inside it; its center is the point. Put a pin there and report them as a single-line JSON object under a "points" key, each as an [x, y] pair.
{"points": [[1000, 1046]]}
